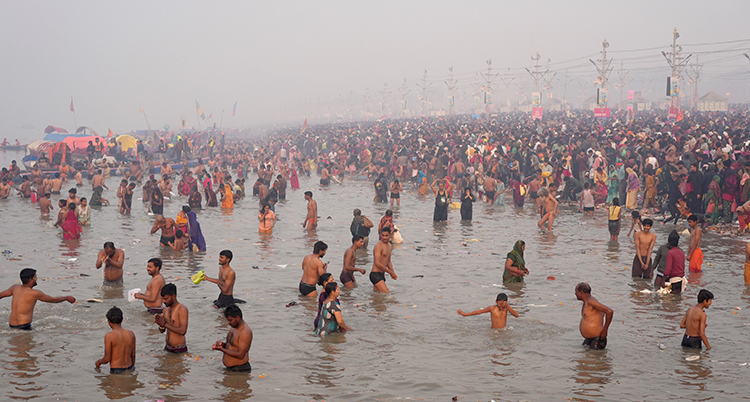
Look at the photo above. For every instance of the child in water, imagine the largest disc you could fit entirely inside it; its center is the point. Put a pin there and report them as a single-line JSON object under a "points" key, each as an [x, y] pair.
{"points": [[637, 223], [498, 311]]}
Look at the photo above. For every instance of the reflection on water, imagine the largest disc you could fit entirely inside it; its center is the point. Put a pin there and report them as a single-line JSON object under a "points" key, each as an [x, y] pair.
{"points": [[235, 387], [171, 371], [694, 375], [119, 386], [593, 369], [21, 366]]}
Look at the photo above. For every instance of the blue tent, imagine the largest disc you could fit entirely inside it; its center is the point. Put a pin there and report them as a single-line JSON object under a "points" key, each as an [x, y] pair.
{"points": [[56, 137]]}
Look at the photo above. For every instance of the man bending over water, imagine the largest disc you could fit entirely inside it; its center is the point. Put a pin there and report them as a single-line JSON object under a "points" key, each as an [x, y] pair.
{"points": [[592, 313], [112, 259], [119, 345], [239, 339], [25, 298], [498, 311]]}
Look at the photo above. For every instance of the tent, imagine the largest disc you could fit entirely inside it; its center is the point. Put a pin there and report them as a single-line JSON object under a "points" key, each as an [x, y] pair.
{"points": [[40, 146], [59, 153], [127, 142], [713, 102], [86, 131], [53, 129], [79, 144], [57, 137]]}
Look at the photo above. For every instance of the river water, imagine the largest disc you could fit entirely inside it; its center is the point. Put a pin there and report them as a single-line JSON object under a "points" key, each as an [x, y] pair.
{"points": [[409, 344]]}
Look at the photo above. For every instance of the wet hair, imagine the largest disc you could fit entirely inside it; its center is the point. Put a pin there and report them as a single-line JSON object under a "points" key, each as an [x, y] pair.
{"points": [[110, 245], [385, 229], [543, 192], [501, 297], [72, 190], [616, 201], [673, 239], [319, 246], [636, 215], [648, 222], [331, 287], [693, 218], [64, 203], [323, 278], [357, 212], [72, 205], [308, 193], [232, 311], [185, 209], [82, 198], [169, 289], [123, 181], [389, 212], [156, 262], [27, 274], [356, 238], [227, 253], [587, 185], [704, 295], [583, 287], [178, 234], [114, 315]]}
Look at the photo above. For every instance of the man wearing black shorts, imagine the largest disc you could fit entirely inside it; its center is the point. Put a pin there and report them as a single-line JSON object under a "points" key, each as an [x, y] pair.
{"points": [[350, 257], [381, 263]]}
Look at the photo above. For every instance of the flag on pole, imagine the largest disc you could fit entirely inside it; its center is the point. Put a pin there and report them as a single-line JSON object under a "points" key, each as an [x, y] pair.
{"points": [[72, 109], [234, 108], [304, 126], [199, 110], [210, 115], [140, 109], [110, 134]]}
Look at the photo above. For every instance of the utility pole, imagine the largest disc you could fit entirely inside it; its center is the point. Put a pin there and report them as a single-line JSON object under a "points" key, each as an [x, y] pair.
{"points": [[677, 63], [535, 75], [404, 92], [423, 87], [694, 78], [385, 93], [488, 87], [622, 74], [605, 69], [565, 83], [507, 80], [548, 80], [451, 83], [477, 88]]}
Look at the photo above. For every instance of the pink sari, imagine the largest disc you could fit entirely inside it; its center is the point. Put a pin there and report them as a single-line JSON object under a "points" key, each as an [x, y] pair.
{"points": [[71, 228]]}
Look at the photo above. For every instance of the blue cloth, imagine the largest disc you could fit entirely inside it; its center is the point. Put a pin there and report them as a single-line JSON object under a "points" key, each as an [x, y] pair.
{"points": [[196, 236]]}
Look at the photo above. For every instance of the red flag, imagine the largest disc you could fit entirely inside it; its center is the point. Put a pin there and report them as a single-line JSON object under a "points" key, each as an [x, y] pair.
{"points": [[72, 109], [210, 115], [110, 134], [679, 117], [304, 126]]}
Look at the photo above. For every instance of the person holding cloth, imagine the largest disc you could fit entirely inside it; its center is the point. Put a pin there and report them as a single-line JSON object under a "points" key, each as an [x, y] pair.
{"points": [[239, 339], [515, 265]]}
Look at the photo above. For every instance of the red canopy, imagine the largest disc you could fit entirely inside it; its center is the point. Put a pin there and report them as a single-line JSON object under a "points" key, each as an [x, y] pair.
{"points": [[53, 129], [78, 144]]}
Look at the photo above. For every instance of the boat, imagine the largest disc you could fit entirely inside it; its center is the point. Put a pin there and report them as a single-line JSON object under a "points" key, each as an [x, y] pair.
{"points": [[13, 147]]}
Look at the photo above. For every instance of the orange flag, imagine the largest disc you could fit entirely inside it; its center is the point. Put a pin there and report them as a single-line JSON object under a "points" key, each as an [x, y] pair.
{"points": [[304, 126], [110, 134]]}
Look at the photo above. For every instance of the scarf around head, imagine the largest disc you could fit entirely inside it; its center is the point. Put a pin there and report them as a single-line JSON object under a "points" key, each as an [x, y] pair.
{"points": [[516, 255]]}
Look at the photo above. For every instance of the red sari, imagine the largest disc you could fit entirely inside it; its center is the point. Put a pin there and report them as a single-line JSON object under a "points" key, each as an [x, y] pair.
{"points": [[71, 228]]}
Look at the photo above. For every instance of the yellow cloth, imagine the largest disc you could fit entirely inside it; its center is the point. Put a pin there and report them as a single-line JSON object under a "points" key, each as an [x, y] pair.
{"points": [[228, 197], [181, 221], [614, 212], [747, 273]]}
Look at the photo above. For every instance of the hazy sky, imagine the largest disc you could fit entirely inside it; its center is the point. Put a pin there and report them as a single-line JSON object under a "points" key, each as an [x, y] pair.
{"points": [[282, 60]]}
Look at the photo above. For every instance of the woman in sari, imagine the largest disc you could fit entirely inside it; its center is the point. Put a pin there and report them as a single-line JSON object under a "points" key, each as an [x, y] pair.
{"points": [[712, 200], [186, 184], [210, 195], [515, 265], [157, 201], [194, 231], [633, 186], [266, 219], [601, 192], [613, 183], [83, 212], [649, 195], [294, 180], [96, 198], [227, 200], [71, 228], [181, 221], [195, 199]]}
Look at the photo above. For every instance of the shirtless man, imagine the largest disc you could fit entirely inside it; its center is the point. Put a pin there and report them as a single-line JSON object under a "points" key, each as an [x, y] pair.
{"points": [[694, 322], [174, 320], [112, 259], [119, 345], [695, 254], [121, 195], [4, 189], [325, 176], [56, 184], [167, 230], [45, 205], [225, 280], [459, 170], [237, 347], [548, 208], [498, 311], [644, 244], [592, 313], [25, 298], [350, 257], [179, 241], [37, 176], [490, 189], [381, 262], [98, 180], [312, 268], [534, 186], [63, 204], [152, 297], [25, 190], [311, 219], [73, 196]]}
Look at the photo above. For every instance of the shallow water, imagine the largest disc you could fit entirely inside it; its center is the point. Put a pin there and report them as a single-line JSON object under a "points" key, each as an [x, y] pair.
{"points": [[409, 344]]}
